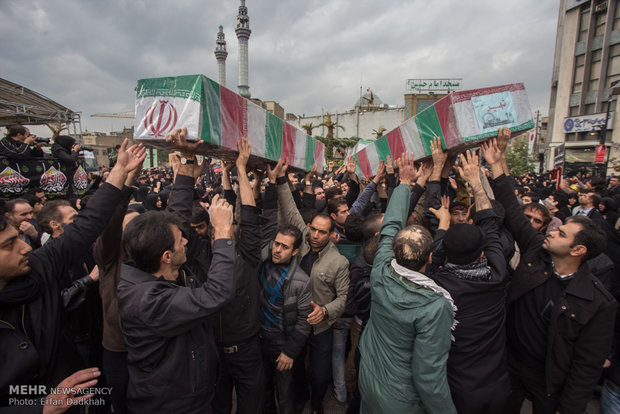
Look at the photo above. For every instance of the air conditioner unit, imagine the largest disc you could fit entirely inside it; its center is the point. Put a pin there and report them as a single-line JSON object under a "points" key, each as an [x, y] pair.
{"points": [[600, 7]]}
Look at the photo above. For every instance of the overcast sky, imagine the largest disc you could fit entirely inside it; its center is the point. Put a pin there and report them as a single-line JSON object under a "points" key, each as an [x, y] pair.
{"points": [[308, 55]]}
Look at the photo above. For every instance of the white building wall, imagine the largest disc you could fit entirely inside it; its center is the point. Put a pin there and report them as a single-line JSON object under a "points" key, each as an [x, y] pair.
{"points": [[388, 118]]}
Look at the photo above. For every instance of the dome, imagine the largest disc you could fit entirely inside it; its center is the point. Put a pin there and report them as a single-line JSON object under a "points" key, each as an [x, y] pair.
{"points": [[369, 100]]}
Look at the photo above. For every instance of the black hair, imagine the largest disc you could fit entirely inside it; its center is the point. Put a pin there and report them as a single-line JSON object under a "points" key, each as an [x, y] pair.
{"points": [[371, 225], [147, 237], [353, 227], [539, 208], [591, 236], [14, 130], [369, 248], [535, 197], [50, 212], [332, 223], [199, 215], [290, 230], [332, 192], [334, 204]]}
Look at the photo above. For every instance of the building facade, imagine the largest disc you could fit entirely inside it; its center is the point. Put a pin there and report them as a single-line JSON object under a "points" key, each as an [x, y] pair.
{"points": [[585, 69]]}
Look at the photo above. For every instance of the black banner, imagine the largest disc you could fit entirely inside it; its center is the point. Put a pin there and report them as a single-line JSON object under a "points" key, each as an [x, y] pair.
{"points": [[49, 174]]}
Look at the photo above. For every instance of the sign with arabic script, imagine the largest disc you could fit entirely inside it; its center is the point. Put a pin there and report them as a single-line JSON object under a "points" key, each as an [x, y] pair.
{"points": [[587, 123], [433, 85], [51, 175]]}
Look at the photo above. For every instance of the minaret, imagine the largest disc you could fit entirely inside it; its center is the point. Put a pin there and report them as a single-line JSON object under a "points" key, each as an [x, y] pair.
{"points": [[243, 35], [220, 55]]}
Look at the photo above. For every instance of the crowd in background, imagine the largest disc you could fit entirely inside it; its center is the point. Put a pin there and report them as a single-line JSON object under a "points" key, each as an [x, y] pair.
{"points": [[435, 287]]}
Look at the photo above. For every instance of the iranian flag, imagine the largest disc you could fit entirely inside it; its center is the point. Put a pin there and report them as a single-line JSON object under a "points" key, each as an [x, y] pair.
{"points": [[219, 117], [461, 119]]}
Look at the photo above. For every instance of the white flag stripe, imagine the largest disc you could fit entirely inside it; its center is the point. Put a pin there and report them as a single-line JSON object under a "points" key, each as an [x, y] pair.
{"points": [[257, 120], [411, 137]]}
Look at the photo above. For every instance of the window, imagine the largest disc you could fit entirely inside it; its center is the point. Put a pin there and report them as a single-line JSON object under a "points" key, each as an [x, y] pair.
{"points": [[589, 109], [571, 137], [578, 75], [574, 110], [617, 18], [600, 19], [583, 25]]}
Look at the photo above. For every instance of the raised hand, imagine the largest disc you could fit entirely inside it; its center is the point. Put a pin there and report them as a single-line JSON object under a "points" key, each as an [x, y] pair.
{"points": [[130, 158], [491, 151], [438, 154], [221, 217], [503, 136], [443, 213], [469, 169], [380, 172], [426, 169], [310, 175], [406, 169], [178, 138], [245, 149], [389, 165]]}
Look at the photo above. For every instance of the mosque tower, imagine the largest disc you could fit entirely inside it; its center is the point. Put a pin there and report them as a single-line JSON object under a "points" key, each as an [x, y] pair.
{"points": [[220, 55], [243, 35]]}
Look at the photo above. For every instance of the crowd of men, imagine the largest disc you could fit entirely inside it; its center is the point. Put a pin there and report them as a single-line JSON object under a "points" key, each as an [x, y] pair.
{"points": [[447, 286]]}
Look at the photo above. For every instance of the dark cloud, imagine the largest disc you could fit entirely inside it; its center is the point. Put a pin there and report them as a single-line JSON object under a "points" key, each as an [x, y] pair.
{"points": [[308, 55]]}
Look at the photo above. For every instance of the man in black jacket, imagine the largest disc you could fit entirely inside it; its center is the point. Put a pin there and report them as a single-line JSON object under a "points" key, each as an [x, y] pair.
{"points": [[164, 309], [31, 324], [474, 271], [236, 325], [560, 317]]}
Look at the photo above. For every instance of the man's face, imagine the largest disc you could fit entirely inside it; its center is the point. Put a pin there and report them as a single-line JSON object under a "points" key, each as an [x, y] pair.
{"points": [[345, 188], [293, 178], [282, 251], [552, 199], [341, 216], [22, 212], [584, 199], [526, 199], [68, 214], [458, 216], [536, 219], [559, 242], [13, 255], [319, 233], [178, 255], [36, 208], [41, 196], [614, 182], [202, 229], [319, 193]]}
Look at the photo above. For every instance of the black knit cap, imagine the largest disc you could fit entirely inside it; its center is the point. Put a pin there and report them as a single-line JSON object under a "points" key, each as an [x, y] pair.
{"points": [[463, 243]]}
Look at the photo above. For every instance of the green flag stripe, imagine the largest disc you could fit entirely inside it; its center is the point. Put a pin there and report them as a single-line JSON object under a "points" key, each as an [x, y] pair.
{"points": [[273, 137], [310, 147], [187, 86], [383, 148], [211, 113], [429, 127]]}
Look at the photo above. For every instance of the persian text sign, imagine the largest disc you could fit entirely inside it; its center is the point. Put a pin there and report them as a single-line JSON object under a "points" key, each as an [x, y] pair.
{"points": [[587, 123], [433, 85]]}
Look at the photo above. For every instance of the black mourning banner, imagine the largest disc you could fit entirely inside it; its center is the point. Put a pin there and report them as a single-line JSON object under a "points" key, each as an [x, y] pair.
{"points": [[18, 176]]}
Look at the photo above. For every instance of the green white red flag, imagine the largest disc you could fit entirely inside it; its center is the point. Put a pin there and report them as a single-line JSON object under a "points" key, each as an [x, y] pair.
{"points": [[461, 119], [219, 117]]}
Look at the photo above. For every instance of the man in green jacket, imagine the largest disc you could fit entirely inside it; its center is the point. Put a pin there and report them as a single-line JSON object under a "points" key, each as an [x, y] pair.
{"points": [[405, 346]]}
